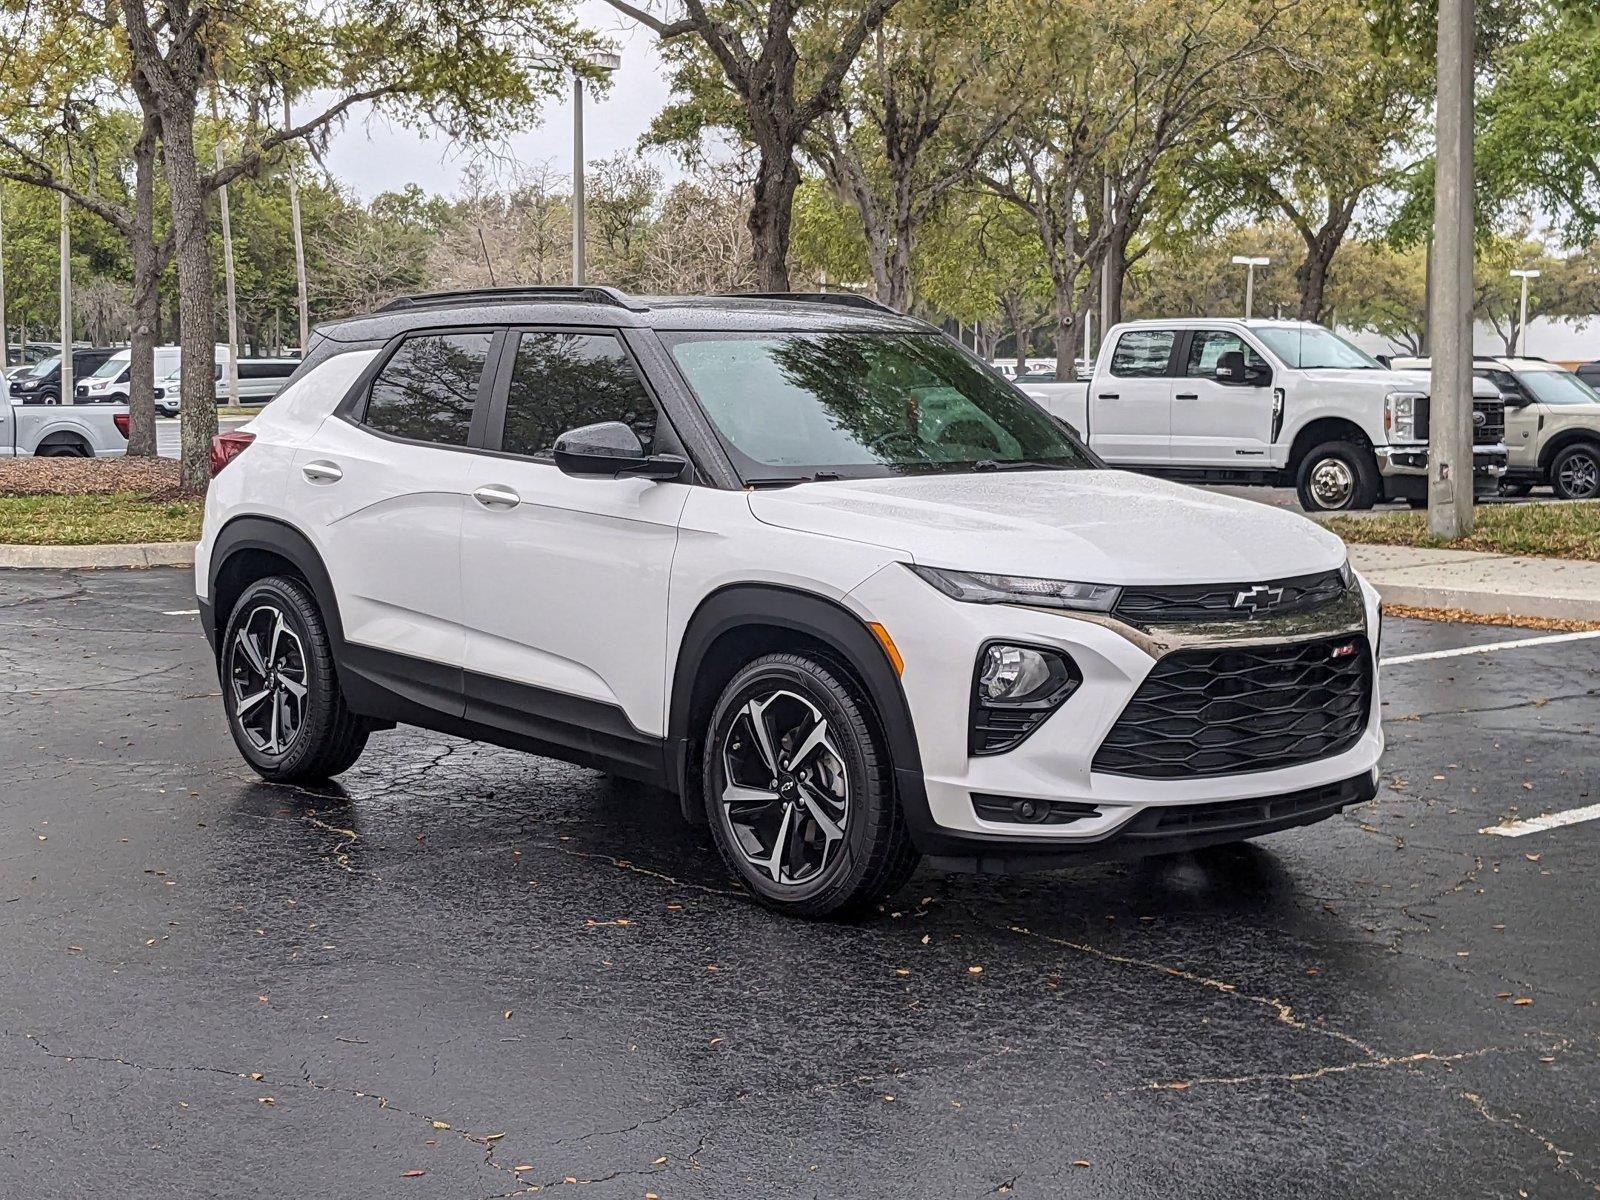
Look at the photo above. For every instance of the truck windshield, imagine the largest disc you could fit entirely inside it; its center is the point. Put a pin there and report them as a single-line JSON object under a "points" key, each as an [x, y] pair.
{"points": [[1558, 387], [1312, 348], [790, 407]]}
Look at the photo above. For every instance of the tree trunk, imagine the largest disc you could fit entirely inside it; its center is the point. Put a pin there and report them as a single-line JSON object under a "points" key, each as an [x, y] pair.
{"points": [[1066, 337], [1117, 256], [771, 211], [1313, 277], [146, 298], [196, 298]]}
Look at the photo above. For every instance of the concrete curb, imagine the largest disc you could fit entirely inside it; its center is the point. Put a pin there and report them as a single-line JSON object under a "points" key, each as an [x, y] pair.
{"points": [[78, 558], [1497, 585]]}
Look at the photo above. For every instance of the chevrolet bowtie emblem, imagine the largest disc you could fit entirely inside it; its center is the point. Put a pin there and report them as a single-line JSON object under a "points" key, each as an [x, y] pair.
{"points": [[1258, 598]]}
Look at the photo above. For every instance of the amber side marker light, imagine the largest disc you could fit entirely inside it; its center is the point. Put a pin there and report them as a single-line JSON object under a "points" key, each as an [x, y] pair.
{"points": [[889, 648]]}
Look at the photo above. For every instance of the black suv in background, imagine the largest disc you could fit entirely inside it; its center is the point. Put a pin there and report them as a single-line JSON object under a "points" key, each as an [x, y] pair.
{"points": [[42, 384]]}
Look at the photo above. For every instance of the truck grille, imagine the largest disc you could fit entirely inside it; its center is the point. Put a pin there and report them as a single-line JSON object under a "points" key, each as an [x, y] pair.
{"points": [[1216, 601], [1492, 428], [1239, 709]]}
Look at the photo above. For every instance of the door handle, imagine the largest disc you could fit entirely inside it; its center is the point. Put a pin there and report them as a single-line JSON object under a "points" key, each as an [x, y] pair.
{"points": [[496, 495], [1187, 396], [1109, 396], [322, 471]]}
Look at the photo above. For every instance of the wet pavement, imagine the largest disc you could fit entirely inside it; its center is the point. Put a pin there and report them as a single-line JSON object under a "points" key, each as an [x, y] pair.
{"points": [[471, 973]]}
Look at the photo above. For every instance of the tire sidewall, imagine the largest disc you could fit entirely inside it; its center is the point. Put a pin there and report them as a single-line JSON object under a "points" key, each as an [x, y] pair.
{"points": [[299, 611], [812, 681], [1570, 452]]}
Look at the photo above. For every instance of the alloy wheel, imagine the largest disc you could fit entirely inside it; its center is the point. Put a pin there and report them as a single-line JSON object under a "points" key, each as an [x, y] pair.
{"points": [[785, 790], [267, 673], [1580, 476]]}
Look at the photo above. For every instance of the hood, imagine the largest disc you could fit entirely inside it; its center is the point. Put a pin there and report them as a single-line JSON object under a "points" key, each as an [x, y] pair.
{"points": [[1092, 526]]}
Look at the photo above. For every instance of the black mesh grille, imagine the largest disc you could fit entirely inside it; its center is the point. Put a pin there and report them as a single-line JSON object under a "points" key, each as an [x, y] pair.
{"points": [[1215, 601], [1227, 711]]}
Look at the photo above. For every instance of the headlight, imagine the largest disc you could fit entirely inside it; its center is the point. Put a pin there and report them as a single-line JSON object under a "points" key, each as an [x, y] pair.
{"points": [[1347, 573], [976, 588], [27, 385], [1400, 413]]}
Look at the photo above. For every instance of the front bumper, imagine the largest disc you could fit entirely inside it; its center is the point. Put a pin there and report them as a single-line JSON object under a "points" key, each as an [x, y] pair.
{"points": [[1487, 461], [940, 638]]}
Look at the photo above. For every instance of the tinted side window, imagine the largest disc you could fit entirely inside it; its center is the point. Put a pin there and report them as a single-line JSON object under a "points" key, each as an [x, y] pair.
{"points": [[1207, 347], [560, 381], [1142, 353], [425, 392]]}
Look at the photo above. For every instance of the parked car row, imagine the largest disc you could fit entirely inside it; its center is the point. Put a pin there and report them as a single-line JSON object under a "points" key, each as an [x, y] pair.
{"points": [[101, 376]]}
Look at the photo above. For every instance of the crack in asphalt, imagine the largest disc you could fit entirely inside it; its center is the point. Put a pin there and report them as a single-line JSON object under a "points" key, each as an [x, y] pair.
{"points": [[1384, 1063], [1513, 1120], [1283, 1011]]}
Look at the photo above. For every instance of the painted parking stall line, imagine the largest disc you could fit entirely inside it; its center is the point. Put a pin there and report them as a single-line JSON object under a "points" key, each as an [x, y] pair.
{"points": [[1573, 816], [1489, 647]]}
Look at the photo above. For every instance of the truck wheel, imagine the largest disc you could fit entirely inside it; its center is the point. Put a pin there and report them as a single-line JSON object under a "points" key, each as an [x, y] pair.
{"points": [[1337, 477], [799, 790], [1575, 473], [1517, 488], [63, 450]]}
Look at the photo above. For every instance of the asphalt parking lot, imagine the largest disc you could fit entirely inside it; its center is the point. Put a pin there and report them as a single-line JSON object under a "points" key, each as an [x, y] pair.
{"points": [[470, 973]]}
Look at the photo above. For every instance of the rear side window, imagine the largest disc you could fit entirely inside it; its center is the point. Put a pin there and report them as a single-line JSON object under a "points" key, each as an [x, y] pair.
{"points": [[426, 390], [1142, 353], [560, 381]]}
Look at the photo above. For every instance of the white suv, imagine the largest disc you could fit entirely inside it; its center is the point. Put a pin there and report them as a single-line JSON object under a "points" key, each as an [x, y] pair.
{"points": [[804, 562]]}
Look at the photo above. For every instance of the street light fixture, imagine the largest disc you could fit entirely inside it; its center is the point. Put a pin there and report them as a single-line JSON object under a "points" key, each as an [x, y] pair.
{"points": [[606, 61], [1250, 263], [1523, 274]]}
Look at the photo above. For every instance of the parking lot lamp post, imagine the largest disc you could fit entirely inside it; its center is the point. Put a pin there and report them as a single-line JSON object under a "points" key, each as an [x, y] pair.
{"points": [[1450, 466], [1250, 263], [1521, 341], [67, 396], [606, 61], [5, 342]]}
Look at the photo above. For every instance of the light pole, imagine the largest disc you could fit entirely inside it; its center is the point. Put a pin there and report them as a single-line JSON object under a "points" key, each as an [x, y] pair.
{"points": [[1250, 263], [606, 61], [1521, 346]]}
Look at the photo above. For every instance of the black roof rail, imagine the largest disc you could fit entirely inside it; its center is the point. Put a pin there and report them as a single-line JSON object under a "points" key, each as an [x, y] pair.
{"points": [[524, 293], [843, 299]]}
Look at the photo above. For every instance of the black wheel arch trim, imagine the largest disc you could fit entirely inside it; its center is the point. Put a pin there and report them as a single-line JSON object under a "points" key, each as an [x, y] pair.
{"points": [[1563, 441], [284, 540], [747, 605]]}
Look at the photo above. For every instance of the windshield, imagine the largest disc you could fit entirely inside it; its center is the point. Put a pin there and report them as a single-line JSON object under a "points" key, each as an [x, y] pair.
{"points": [[796, 406], [1557, 387], [40, 370], [110, 369], [1312, 348]]}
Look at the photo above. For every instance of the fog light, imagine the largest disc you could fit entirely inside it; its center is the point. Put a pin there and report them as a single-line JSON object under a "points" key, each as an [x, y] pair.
{"points": [[1014, 688]]}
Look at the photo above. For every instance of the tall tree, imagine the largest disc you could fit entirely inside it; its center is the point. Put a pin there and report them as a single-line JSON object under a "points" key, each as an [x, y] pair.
{"points": [[921, 107], [769, 70], [1343, 125]]}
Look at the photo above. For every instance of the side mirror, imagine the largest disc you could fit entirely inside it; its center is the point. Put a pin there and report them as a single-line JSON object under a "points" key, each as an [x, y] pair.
{"points": [[1230, 367], [610, 450], [1385, 359]]}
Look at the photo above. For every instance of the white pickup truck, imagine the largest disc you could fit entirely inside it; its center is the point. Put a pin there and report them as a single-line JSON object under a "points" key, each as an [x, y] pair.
{"points": [[76, 431], [1269, 402]]}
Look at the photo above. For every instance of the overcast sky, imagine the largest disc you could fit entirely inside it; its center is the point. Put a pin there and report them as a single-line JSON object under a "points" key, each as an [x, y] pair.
{"points": [[372, 156]]}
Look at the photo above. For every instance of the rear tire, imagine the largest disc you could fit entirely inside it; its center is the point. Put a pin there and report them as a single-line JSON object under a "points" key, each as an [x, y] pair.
{"points": [[1515, 489], [280, 689], [803, 805], [62, 450], [1575, 472], [1337, 477]]}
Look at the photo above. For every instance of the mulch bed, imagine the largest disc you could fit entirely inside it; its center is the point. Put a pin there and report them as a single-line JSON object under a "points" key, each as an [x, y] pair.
{"points": [[150, 478]]}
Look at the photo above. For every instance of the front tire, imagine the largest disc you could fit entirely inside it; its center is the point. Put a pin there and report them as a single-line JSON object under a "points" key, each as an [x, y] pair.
{"points": [[1337, 477], [1515, 488], [799, 790], [1575, 472], [280, 690]]}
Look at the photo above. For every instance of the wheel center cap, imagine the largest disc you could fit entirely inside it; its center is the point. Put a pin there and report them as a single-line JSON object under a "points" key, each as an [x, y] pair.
{"points": [[788, 787]]}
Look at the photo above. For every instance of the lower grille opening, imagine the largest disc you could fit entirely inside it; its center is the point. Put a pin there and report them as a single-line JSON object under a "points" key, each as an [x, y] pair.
{"points": [[1233, 710], [1178, 819], [1026, 810]]}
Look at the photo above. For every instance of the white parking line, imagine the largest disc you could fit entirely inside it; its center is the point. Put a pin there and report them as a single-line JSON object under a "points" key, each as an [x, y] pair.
{"points": [[1572, 816], [182, 612], [1489, 647]]}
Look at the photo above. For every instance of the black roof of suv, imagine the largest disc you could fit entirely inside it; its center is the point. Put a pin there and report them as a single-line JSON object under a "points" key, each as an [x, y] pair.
{"points": [[605, 306]]}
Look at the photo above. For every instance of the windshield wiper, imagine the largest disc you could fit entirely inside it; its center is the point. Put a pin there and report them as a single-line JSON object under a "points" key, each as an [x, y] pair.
{"points": [[994, 464], [791, 480]]}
